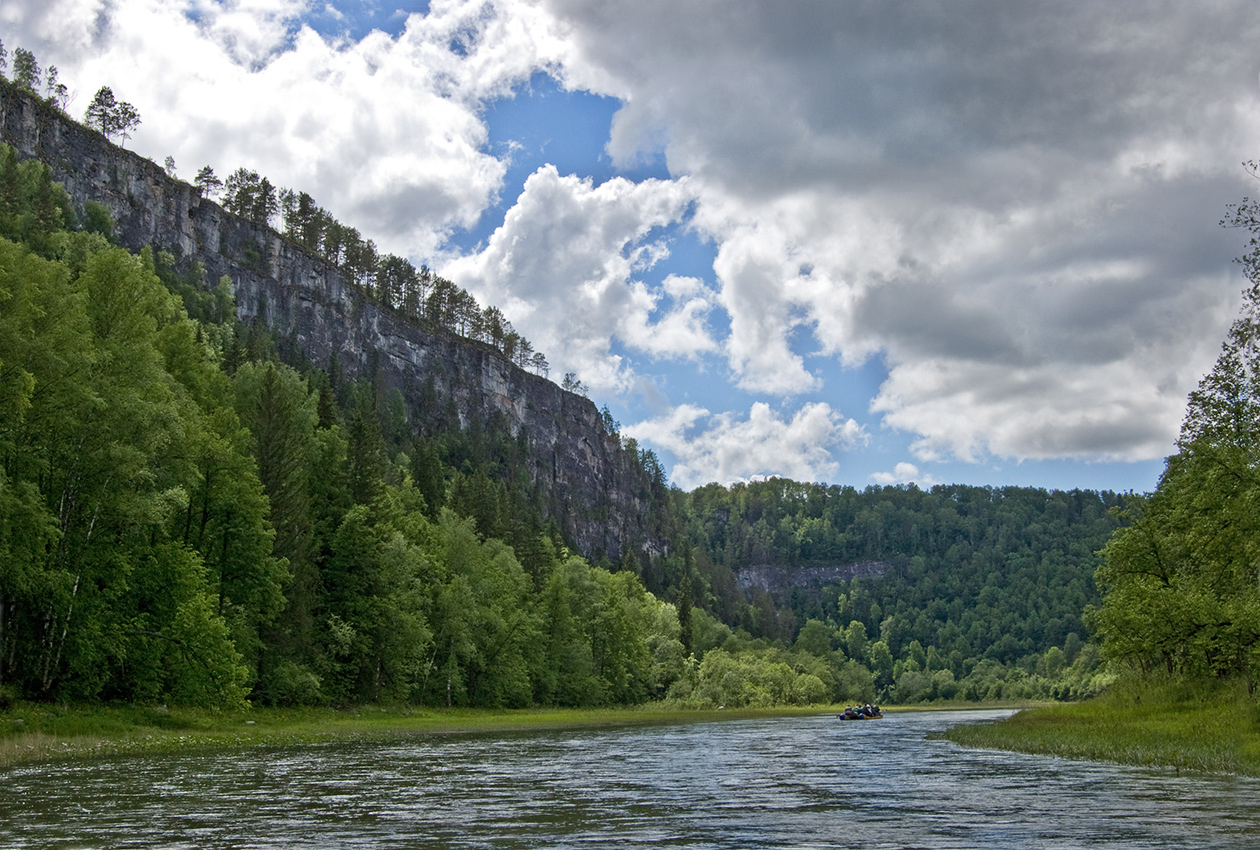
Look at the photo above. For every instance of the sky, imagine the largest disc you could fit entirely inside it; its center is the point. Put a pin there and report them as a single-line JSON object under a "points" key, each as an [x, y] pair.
{"points": [[851, 242]]}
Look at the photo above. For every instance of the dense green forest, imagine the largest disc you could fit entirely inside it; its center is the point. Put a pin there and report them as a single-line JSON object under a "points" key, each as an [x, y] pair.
{"points": [[982, 591]]}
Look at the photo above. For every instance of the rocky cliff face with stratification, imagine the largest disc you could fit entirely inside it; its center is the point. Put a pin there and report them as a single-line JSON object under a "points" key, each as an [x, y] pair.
{"points": [[580, 470]]}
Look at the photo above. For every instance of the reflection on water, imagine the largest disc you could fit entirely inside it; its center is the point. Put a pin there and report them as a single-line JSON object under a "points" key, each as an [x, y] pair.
{"points": [[786, 783]]}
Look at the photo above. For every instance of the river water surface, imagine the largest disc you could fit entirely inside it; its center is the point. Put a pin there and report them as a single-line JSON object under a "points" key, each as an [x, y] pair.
{"points": [[782, 783]]}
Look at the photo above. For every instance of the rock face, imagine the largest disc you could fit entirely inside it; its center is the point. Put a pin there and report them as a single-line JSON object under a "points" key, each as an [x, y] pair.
{"points": [[775, 579], [579, 470]]}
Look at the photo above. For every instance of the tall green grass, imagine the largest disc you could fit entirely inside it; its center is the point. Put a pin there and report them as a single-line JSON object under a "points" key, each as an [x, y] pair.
{"points": [[1211, 727]]}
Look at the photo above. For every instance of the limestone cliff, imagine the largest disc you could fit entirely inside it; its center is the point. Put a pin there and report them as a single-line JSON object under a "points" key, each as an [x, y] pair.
{"points": [[584, 477]]}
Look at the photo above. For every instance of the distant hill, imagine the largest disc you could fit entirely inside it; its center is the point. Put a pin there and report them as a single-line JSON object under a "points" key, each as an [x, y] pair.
{"points": [[1000, 573]]}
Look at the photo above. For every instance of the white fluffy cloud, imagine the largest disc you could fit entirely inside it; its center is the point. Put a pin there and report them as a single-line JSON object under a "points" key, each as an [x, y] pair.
{"points": [[563, 268], [249, 31], [670, 321], [385, 132], [904, 473], [721, 447]]}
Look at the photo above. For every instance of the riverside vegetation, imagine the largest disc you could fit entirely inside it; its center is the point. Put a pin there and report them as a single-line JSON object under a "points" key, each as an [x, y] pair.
{"points": [[39, 732], [193, 514], [1208, 726], [1181, 611]]}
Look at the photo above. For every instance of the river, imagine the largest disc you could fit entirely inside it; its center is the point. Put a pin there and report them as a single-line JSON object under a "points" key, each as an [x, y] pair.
{"points": [[810, 782]]}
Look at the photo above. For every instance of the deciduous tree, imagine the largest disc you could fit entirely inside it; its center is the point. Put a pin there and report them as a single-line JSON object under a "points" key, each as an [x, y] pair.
{"points": [[25, 70]]}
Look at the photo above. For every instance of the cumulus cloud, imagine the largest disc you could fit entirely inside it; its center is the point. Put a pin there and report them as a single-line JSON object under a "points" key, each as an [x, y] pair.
{"points": [[249, 31], [562, 268], [904, 473], [721, 447], [670, 321], [386, 132], [1014, 204]]}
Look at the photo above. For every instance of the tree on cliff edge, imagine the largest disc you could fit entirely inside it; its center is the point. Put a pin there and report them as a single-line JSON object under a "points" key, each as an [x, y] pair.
{"points": [[25, 69], [112, 116], [207, 183]]}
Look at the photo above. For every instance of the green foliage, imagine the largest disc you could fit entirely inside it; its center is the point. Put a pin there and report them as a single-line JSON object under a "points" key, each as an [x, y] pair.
{"points": [[171, 533], [57, 93], [246, 194], [756, 679], [33, 209], [814, 638], [105, 594], [427, 477], [969, 574], [96, 219], [207, 182], [685, 632], [25, 70]]}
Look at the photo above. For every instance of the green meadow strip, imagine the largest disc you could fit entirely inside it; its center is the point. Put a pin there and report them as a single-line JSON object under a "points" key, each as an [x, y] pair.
{"points": [[34, 732], [1212, 729]]}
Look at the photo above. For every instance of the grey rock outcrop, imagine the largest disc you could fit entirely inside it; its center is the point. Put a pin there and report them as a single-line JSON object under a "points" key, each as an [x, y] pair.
{"points": [[774, 579], [584, 478]]}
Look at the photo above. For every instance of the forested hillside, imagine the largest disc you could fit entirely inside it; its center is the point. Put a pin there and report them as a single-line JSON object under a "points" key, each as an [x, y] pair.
{"points": [[188, 517], [436, 359], [972, 577]]}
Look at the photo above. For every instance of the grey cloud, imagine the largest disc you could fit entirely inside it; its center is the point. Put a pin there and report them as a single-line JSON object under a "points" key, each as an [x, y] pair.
{"points": [[1015, 202], [768, 96], [393, 215], [1053, 295], [1047, 176], [923, 319], [1104, 437]]}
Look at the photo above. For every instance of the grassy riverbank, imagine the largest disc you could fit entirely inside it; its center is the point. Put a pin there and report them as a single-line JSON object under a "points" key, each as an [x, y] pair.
{"points": [[1213, 728], [35, 732]]}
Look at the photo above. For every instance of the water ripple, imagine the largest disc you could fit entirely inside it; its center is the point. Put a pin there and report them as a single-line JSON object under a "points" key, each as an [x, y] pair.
{"points": [[786, 783]]}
